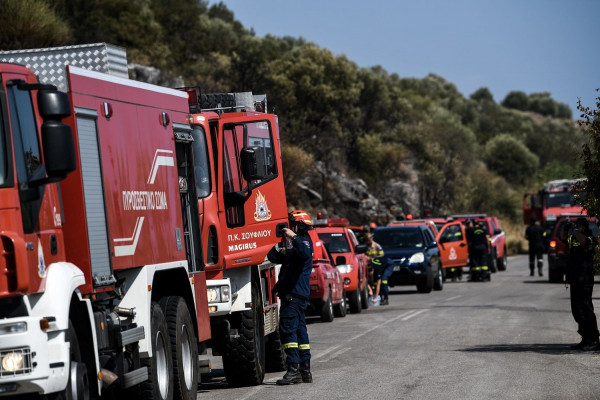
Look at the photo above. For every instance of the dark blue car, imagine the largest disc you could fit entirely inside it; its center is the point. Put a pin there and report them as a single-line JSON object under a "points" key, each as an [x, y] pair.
{"points": [[415, 254]]}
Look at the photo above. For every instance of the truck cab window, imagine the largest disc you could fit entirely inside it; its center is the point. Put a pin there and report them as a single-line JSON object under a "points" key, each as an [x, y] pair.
{"points": [[201, 167], [3, 153]]}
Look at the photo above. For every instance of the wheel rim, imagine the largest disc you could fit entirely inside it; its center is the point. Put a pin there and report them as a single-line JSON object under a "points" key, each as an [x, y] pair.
{"points": [[186, 357], [162, 374]]}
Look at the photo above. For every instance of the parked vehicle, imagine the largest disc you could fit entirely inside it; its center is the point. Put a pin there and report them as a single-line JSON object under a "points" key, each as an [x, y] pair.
{"points": [[327, 296], [415, 254], [342, 245], [558, 251], [103, 285], [414, 222], [454, 251], [498, 257]]}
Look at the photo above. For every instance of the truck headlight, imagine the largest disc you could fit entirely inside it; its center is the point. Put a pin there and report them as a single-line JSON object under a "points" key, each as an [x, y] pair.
{"points": [[12, 362], [218, 294], [225, 294], [416, 258], [345, 268]]}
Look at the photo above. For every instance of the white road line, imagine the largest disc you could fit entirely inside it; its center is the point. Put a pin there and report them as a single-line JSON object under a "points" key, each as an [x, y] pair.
{"points": [[324, 353], [337, 353], [453, 298], [413, 314]]}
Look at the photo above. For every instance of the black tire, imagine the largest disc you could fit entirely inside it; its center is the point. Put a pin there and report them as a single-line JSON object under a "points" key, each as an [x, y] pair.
{"points": [[554, 276], [274, 353], [502, 262], [492, 261], [340, 309], [356, 301], [244, 356], [364, 299], [425, 285], [184, 347], [327, 309], [160, 366], [78, 385], [438, 282]]}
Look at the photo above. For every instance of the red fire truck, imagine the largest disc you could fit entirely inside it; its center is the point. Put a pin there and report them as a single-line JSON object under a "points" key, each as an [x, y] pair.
{"points": [[110, 227], [553, 200]]}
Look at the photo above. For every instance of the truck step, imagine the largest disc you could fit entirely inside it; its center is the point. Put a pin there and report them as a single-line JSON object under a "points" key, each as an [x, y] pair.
{"points": [[132, 335], [135, 377], [204, 366]]}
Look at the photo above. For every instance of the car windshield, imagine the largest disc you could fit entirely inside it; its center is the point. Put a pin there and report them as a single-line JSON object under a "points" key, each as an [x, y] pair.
{"points": [[404, 238], [335, 242], [593, 225]]}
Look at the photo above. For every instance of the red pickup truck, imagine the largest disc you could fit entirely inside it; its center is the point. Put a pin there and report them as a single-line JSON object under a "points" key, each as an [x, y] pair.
{"points": [[351, 262], [327, 296]]}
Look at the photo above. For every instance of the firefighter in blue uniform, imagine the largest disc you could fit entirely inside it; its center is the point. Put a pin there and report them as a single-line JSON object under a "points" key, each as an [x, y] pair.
{"points": [[384, 266], [580, 276], [295, 255]]}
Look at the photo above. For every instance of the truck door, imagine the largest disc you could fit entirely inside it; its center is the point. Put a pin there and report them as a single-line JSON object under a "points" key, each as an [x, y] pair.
{"points": [[452, 242], [252, 209]]}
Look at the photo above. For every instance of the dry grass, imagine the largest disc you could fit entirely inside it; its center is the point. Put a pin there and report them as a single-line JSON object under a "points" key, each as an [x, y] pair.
{"points": [[515, 236]]}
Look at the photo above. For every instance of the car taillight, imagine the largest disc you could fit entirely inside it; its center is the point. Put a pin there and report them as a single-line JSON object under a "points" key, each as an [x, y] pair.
{"points": [[553, 244]]}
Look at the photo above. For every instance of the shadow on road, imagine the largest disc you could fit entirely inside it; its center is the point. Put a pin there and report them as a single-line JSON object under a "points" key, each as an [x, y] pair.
{"points": [[543, 348]]}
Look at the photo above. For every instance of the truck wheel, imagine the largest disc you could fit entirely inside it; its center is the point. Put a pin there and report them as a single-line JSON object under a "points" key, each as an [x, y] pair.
{"points": [[502, 262], [438, 282], [274, 353], [554, 276], [160, 366], [425, 285], [184, 347], [340, 309], [356, 301], [327, 309], [244, 356], [78, 385], [364, 298], [492, 261]]}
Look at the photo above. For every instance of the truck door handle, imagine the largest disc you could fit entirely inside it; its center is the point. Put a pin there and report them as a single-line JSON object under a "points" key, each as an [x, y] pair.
{"points": [[462, 245]]}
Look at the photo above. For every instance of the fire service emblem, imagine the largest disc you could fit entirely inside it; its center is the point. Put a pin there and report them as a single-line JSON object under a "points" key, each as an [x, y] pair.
{"points": [[262, 212]]}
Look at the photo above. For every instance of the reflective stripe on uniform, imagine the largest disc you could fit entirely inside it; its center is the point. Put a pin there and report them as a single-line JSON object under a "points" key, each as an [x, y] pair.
{"points": [[291, 345], [484, 268], [384, 282], [305, 347], [376, 262]]}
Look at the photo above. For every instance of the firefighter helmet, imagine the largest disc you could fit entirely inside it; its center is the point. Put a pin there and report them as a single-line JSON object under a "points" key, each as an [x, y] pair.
{"points": [[298, 216]]}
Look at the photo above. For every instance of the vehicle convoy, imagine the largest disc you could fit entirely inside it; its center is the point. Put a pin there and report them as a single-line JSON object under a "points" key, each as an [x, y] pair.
{"points": [[415, 254], [348, 255], [498, 256], [554, 199], [558, 251], [117, 204], [327, 295]]}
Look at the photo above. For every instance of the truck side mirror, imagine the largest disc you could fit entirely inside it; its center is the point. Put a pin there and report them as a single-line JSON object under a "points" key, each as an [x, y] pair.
{"points": [[360, 249], [340, 260], [253, 163], [57, 137]]}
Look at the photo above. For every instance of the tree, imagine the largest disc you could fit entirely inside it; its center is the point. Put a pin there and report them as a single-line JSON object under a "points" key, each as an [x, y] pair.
{"points": [[590, 155], [482, 94], [517, 100], [510, 158], [26, 24]]}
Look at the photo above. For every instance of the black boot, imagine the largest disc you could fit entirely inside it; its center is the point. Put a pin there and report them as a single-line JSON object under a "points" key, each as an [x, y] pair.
{"points": [[384, 301], [305, 371], [291, 376]]}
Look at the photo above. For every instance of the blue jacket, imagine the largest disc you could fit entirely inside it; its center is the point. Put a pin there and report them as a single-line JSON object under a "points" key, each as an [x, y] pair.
{"points": [[296, 267]]}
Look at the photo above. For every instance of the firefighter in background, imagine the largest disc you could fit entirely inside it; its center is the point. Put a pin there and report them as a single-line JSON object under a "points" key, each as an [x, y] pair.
{"points": [[478, 253], [580, 276], [374, 249], [383, 267], [295, 254], [535, 235]]}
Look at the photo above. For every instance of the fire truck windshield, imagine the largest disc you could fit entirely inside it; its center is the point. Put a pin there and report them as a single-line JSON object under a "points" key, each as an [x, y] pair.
{"points": [[335, 242], [562, 199]]}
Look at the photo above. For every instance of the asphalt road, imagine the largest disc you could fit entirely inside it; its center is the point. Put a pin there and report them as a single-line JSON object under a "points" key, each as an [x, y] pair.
{"points": [[504, 339]]}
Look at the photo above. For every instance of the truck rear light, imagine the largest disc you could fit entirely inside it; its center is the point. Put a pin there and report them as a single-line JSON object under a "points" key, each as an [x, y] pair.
{"points": [[553, 244], [108, 110], [192, 94], [314, 288]]}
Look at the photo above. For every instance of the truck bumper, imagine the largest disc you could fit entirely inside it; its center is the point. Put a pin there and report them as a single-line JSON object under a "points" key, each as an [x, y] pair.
{"points": [[45, 358]]}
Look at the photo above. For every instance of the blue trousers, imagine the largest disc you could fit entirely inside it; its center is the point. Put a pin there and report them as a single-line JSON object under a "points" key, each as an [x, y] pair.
{"points": [[387, 273], [292, 330]]}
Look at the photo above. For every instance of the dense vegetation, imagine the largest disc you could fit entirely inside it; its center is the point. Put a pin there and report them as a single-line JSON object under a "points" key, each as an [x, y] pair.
{"points": [[471, 154]]}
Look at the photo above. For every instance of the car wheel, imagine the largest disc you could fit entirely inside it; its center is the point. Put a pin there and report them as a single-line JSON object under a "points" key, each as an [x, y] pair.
{"points": [[355, 301], [438, 283], [492, 260], [364, 298], [554, 276], [340, 309], [425, 285], [502, 262], [327, 309]]}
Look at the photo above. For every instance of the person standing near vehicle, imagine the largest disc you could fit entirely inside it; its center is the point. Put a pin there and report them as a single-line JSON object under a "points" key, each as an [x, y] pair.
{"points": [[383, 268], [580, 277], [478, 253], [535, 236], [374, 249], [295, 254]]}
